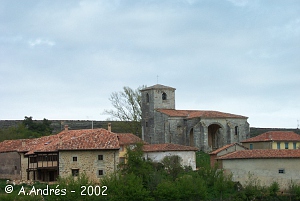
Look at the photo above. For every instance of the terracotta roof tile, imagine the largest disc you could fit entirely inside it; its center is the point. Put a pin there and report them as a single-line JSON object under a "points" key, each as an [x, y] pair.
{"points": [[129, 138], [198, 113], [275, 136], [86, 139], [226, 147], [167, 147], [262, 153]]}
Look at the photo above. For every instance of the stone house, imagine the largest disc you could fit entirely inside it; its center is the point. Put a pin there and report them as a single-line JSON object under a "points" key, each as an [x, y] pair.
{"points": [[207, 130], [156, 152], [223, 151], [266, 165], [274, 140], [125, 140], [71, 152]]}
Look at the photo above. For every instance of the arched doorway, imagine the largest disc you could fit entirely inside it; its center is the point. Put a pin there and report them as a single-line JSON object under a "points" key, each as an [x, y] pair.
{"points": [[214, 136], [192, 137]]}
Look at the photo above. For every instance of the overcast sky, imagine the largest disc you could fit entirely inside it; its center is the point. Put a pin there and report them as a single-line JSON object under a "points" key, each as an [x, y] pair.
{"points": [[63, 59]]}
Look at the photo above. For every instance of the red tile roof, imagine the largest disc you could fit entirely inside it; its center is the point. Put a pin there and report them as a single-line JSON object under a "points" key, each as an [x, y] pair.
{"points": [[66, 140], [167, 147], [10, 145], [129, 138], [262, 153], [275, 136], [87, 139], [226, 147], [198, 113]]}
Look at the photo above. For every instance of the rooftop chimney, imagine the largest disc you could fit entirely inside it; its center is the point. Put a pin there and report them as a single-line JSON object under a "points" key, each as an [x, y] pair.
{"points": [[109, 127], [66, 127], [23, 143]]}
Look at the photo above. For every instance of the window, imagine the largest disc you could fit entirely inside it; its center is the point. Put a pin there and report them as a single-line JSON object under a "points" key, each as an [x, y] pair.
{"points": [[75, 158], [236, 130], [281, 171], [32, 159], [100, 157], [147, 98], [164, 96], [286, 145], [251, 146], [294, 145], [278, 145], [75, 172], [122, 159], [146, 123], [100, 172]]}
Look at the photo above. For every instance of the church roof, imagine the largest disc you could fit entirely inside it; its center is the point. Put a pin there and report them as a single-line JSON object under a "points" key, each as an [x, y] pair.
{"points": [[198, 113], [157, 86], [275, 136]]}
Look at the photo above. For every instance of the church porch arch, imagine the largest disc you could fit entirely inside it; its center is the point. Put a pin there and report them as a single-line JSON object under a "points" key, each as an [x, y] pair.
{"points": [[215, 136]]}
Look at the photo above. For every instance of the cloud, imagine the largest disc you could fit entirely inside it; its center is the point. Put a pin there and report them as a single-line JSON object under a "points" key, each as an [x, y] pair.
{"points": [[41, 42]]}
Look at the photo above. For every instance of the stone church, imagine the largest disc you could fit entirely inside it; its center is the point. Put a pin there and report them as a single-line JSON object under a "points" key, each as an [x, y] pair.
{"points": [[207, 130]]}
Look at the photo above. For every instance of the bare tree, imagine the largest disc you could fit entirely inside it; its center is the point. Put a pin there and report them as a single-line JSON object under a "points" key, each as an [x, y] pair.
{"points": [[127, 108]]}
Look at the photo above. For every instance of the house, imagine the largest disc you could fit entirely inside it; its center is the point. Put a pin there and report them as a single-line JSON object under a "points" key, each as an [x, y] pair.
{"points": [[274, 140], [205, 129], [223, 151], [125, 140], [156, 152], [70, 152], [267, 165]]}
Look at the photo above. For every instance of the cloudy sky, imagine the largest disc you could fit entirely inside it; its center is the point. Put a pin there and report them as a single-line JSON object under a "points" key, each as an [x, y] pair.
{"points": [[63, 59]]}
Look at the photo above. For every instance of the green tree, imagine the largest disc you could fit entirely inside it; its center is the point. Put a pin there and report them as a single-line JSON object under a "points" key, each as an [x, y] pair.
{"points": [[127, 108]]}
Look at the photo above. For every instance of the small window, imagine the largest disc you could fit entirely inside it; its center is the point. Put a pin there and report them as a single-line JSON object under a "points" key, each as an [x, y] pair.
{"points": [[278, 145], [122, 159], [75, 172], [147, 98], [236, 130], [295, 145], [100, 157], [75, 158], [286, 145], [16, 167], [100, 172], [164, 96], [251, 146], [281, 171], [146, 124]]}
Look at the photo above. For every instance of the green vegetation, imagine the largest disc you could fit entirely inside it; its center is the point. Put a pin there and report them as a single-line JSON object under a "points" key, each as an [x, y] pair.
{"points": [[27, 129], [144, 180]]}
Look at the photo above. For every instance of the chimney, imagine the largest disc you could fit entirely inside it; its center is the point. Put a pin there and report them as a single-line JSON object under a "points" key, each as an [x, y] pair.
{"points": [[66, 127], [109, 127], [23, 143], [60, 140]]}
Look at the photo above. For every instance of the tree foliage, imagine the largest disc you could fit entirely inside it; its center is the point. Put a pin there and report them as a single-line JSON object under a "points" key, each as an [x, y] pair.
{"points": [[127, 108], [27, 129]]}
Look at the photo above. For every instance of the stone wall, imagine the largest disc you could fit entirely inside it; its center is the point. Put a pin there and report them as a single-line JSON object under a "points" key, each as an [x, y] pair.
{"points": [[58, 125], [266, 170], [10, 166], [87, 161], [188, 157]]}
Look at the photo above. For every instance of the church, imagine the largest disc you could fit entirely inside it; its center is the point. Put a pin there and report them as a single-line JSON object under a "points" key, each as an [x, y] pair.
{"points": [[207, 130]]}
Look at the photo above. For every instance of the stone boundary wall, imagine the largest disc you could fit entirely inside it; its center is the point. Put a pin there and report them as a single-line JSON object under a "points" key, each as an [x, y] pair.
{"points": [[58, 125]]}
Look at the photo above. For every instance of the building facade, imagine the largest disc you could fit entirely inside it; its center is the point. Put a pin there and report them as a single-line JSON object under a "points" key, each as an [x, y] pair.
{"points": [[207, 130], [274, 140]]}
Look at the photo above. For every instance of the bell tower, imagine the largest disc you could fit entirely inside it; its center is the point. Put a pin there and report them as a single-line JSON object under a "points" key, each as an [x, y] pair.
{"points": [[153, 98]]}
